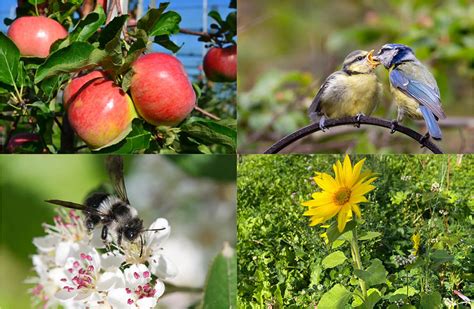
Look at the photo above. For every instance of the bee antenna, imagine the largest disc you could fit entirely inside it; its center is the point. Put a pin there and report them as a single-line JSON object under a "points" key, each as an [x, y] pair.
{"points": [[155, 230], [141, 245]]}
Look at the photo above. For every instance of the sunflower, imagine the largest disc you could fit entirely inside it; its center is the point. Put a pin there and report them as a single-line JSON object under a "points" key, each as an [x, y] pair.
{"points": [[340, 195]]}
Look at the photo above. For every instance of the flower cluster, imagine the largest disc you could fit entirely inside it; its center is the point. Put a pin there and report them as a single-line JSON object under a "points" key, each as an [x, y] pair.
{"points": [[75, 270]]}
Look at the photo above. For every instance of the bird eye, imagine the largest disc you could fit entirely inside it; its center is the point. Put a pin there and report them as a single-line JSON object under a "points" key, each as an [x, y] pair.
{"points": [[360, 58]]}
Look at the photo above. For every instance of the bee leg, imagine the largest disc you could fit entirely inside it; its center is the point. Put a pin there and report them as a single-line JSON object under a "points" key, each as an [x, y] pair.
{"points": [[322, 120], [141, 245], [104, 233], [119, 239], [357, 125]]}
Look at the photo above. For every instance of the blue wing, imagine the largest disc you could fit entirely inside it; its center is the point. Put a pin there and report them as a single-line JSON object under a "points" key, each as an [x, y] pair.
{"points": [[431, 123], [425, 94]]}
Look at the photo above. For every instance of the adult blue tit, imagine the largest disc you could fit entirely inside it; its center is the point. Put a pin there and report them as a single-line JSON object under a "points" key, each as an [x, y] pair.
{"points": [[352, 91], [413, 87]]}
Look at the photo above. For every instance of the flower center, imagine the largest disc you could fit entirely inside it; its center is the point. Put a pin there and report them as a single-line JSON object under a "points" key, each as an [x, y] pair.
{"points": [[342, 196]]}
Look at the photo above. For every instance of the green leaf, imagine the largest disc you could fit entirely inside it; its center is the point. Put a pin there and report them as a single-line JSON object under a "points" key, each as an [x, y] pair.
{"points": [[430, 300], [112, 30], [210, 132], [336, 298], [165, 41], [440, 257], [167, 24], [77, 56], [35, 2], [221, 285], [333, 233], [42, 107], [148, 21], [334, 259], [402, 293], [9, 60], [136, 141], [86, 27], [375, 274], [216, 16], [370, 235], [373, 296]]}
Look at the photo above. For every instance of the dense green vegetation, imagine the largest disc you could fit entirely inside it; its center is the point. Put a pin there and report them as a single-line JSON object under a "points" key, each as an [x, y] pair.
{"points": [[280, 260]]}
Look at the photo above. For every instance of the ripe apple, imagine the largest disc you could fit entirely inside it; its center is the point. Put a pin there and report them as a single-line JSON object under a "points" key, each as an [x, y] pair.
{"points": [[34, 35], [220, 64], [75, 85], [21, 139], [101, 114], [161, 90]]}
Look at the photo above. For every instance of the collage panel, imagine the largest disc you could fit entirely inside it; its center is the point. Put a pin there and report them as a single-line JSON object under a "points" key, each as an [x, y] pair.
{"points": [[355, 76], [170, 241], [118, 76], [359, 231]]}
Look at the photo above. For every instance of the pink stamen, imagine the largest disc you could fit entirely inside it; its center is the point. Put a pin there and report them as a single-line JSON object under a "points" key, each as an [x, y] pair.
{"points": [[136, 275], [146, 274], [76, 264], [63, 279], [128, 290], [83, 256], [129, 301]]}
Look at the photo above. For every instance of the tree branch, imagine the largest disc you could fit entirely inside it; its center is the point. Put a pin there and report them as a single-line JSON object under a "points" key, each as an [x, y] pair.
{"points": [[314, 127]]}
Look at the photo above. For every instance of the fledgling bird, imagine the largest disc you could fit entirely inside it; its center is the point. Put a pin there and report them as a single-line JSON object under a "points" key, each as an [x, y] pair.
{"points": [[352, 91], [413, 87]]}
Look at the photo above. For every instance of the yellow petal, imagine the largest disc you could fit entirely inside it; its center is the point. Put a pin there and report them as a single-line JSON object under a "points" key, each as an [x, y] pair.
{"points": [[326, 211], [315, 203], [347, 170], [342, 219], [356, 209], [326, 182], [362, 189], [356, 199], [316, 221], [356, 172]]}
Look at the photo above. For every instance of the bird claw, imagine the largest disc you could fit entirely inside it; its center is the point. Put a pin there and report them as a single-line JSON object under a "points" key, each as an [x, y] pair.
{"points": [[423, 139], [392, 127], [321, 124], [357, 124]]}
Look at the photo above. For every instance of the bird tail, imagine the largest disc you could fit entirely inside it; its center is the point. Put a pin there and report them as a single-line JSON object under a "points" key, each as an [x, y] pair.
{"points": [[431, 123]]}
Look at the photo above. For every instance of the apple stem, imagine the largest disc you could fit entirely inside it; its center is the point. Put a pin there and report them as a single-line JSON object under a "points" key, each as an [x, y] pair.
{"points": [[204, 112]]}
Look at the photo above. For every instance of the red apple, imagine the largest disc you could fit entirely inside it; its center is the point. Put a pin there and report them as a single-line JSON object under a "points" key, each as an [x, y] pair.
{"points": [[21, 139], [161, 90], [101, 114], [220, 64], [75, 85], [34, 35]]}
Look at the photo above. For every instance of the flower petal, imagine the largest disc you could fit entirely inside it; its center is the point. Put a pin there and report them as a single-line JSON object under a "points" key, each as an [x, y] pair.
{"points": [[155, 238], [162, 267], [342, 218], [355, 208], [326, 182], [356, 172], [147, 302]]}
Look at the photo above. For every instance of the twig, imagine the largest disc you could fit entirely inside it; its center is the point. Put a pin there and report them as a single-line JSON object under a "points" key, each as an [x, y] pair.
{"points": [[205, 35], [291, 138], [202, 111]]}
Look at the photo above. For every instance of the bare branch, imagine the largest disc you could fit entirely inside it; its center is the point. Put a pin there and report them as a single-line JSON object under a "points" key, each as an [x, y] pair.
{"points": [[295, 136]]}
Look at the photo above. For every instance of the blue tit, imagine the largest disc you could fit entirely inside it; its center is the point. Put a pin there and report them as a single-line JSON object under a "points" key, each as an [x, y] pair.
{"points": [[413, 87], [352, 91]]}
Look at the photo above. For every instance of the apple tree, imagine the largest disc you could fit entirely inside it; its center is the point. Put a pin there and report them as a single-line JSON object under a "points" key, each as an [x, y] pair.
{"points": [[80, 76]]}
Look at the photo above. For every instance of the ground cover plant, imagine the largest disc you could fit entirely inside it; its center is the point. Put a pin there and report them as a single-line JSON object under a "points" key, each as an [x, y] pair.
{"points": [[413, 235]]}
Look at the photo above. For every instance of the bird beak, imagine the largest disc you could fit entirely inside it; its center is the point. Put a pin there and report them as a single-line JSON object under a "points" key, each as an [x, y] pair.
{"points": [[374, 62]]}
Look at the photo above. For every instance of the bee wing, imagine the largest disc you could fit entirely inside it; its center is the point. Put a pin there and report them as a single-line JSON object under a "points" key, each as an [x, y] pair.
{"points": [[114, 165], [73, 205]]}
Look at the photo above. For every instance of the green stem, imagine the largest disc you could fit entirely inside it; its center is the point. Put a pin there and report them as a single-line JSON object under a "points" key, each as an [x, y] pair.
{"points": [[357, 262]]}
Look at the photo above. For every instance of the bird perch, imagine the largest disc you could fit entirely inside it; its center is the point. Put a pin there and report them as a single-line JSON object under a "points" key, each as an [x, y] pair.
{"points": [[314, 127]]}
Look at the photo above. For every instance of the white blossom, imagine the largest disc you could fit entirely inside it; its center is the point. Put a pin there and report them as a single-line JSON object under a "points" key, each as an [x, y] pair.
{"points": [[75, 269]]}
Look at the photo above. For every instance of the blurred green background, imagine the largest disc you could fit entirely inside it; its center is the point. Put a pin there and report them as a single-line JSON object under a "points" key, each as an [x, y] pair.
{"points": [[191, 191], [288, 48]]}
